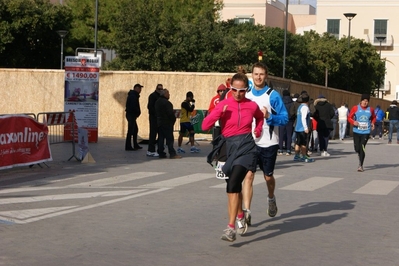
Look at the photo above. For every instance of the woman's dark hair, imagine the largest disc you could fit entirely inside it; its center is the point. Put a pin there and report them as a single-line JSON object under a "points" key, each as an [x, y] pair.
{"points": [[241, 77]]}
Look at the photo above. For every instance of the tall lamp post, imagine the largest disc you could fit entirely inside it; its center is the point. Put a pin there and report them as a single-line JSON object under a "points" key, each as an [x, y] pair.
{"points": [[62, 34], [285, 36], [380, 39], [349, 16]]}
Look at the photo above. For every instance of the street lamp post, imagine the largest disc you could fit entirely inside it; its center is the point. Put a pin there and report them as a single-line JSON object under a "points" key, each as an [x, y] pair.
{"points": [[380, 39], [349, 16], [62, 34], [285, 36]]}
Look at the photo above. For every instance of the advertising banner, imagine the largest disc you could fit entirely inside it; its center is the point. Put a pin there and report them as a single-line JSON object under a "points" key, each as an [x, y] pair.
{"points": [[23, 141], [197, 116], [82, 75]]}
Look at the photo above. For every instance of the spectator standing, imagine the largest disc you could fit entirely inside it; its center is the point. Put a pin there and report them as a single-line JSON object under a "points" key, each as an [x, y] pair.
{"points": [[236, 116], [302, 129], [165, 120], [362, 118], [152, 98], [323, 114], [334, 121], [285, 132], [215, 99], [187, 107], [133, 111], [343, 113], [292, 113], [393, 117], [379, 120]]}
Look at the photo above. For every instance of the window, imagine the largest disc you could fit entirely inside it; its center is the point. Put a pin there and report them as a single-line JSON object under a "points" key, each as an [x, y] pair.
{"points": [[333, 27], [380, 30], [240, 20]]}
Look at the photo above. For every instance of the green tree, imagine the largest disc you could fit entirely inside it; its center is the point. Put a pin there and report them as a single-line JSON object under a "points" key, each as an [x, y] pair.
{"points": [[82, 31], [28, 36]]}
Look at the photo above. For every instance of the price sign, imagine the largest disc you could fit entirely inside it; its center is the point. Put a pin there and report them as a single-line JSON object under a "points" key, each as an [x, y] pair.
{"points": [[76, 76]]}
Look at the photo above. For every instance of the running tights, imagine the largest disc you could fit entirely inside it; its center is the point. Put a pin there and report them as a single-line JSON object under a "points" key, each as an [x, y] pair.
{"points": [[360, 141]]}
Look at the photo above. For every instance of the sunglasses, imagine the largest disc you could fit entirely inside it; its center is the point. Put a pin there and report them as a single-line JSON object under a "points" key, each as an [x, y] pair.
{"points": [[239, 90]]}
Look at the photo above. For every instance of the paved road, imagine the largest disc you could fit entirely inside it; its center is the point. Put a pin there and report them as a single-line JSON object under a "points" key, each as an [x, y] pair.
{"points": [[128, 209]]}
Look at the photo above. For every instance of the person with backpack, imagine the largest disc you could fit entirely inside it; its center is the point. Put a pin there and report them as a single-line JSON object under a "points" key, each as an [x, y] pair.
{"points": [[379, 119], [285, 132]]}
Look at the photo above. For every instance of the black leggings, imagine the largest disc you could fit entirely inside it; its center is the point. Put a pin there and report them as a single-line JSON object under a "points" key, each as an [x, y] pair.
{"points": [[360, 141], [234, 183]]}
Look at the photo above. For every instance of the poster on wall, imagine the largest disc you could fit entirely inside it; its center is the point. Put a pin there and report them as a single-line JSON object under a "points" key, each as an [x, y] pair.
{"points": [[81, 92]]}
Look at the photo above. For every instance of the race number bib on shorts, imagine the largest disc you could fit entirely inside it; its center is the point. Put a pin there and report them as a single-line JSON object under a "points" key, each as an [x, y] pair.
{"points": [[219, 172], [363, 126]]}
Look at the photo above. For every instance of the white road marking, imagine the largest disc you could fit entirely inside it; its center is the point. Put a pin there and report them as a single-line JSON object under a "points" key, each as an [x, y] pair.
{"points": [[259, 179], [23, 214], [50, 180], [312, 183], [179, 181], [51, 215], [378, 187], [116, 179], [68, 196]]}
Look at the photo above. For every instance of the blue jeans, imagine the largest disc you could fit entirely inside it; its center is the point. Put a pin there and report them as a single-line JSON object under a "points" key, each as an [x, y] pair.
{"points": [[342, 128], [393, 123]]}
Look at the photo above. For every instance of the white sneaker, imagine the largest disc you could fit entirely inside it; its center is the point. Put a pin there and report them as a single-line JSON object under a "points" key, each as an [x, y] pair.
{"points": [[325, 154], [152, 154]]}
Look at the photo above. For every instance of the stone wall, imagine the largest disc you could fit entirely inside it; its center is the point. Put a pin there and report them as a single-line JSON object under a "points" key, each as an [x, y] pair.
{"points": [[35, 91]]}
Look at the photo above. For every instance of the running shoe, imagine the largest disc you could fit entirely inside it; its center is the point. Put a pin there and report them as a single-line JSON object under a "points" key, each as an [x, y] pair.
{"points": [[180, 150], [297, 158], [229, 234], [288, 153], [242, 226], [152, 154], [280, 152], [360, 169], [272, 210], [248, 217], [325, 154], [307, 159], [194, 149]]}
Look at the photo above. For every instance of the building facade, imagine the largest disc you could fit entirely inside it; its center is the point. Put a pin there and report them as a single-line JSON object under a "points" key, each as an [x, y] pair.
{"points": [[374, 21]]}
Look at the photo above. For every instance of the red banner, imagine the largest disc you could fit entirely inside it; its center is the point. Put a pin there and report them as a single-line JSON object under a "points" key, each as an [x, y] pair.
{"points": [[23, 141]]}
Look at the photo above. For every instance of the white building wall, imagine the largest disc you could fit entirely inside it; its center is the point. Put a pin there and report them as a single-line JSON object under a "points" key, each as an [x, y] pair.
{"points": [[362, 27]]}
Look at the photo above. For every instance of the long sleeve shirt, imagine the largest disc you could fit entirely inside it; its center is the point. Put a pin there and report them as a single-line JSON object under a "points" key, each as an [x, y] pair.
{"points": [[235, 117]]}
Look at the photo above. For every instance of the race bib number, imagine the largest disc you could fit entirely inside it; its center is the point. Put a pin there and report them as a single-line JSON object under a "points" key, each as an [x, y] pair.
{"points": [[363, 126], [219, 172]]}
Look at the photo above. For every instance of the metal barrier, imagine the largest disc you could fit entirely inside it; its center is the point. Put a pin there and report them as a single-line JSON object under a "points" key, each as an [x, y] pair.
{"points": [[29, 114], [62, 128]]}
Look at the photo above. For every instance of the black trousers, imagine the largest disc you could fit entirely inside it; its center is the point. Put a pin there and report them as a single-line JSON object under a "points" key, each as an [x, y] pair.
{"points": [[359, 142], [166, 133], [153, 133], [132, 131]]}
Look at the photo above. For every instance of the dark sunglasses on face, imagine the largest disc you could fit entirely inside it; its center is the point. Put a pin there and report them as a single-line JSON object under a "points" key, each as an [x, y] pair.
{"points": [[239, 90]]}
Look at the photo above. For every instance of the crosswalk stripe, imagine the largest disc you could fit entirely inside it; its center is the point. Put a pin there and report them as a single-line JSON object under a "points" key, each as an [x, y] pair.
{"points": [[116, 179], [312, 183], [23, 214], [377, 187], [69, 196], [259, 179], [179, 181]]}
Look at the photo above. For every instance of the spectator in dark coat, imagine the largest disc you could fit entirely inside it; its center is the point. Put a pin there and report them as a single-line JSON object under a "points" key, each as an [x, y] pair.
{"points": [[133, 111], [323, 114], [165, 120], [285, 132], [152, 98]]}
